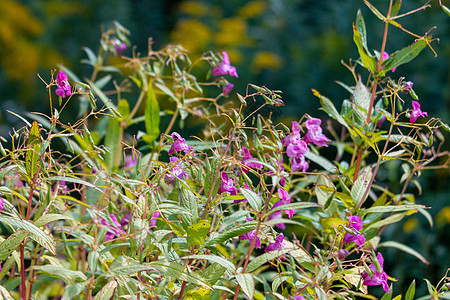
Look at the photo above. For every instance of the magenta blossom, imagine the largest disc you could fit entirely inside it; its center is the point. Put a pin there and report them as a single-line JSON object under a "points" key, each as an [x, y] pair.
{"points": [[175, 171], [284, 199], [356, 224], [63, 87], [179, 144], [407, 86], [377, 277], [154, 218], [297, 150], [277, 215], [226, 89], [386, 56], [299, 297], [278, 245], [225, 67], [251, 235], [294, 137], [113, 230], [119, 46], [314, 134], [248, 165], [2, 203], [125, 220], [227, 185], [299, 163], [416, 113]]}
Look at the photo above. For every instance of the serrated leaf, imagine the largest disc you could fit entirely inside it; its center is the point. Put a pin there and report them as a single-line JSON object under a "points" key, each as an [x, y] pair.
{"points": [[35, 233], [68, 276], [404, 248], [107, 291], [215, 259], [233, 232], [330, 109], [361, 185], [361, 26], [247, 284], [12, 243], [152, 118], [124, 110], [253, 198], [382, 209], [389, 220], [71, 179], [45, 219], [367, 61], [405, 55], [196, 233], [211, 172], [32, 154], [213, 273], [189, 202], [361, 99]]}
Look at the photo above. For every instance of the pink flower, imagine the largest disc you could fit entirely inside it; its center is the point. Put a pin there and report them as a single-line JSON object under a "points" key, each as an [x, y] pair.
{"points": [[114, 230], [248, 165], [154, 218], [416, 113], [314, 134], [277, 215], [299, 297], [179, 144], [356, 224], [225, 67], [2, 204], [63, 87], [278, 245], [378, 278], [299, 163], [176, 171], [297, 150], [386, 56], [119, 46], [226, 90], [227, 185], [250, 236], [407, 86], [284, 199]]}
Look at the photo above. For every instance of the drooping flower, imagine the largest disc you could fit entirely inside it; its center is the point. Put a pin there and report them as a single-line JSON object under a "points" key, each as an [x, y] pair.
{"points": [[227, 185], [278, 245], [246, 163], [386, 56], [226, 89], [179, 144], [63, 87], [113, 230], [416, 113], [154, 218], [377, 277], [314, 134], [2, 204], [407, 86], [356, 224], [299, 163], [297, 150], [251, 235], [225, 67], [175, 171], [119, 46], [284, 199]]}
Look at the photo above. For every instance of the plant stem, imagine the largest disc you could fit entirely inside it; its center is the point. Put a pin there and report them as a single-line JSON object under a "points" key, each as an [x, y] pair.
{"points": [[23, 289]]}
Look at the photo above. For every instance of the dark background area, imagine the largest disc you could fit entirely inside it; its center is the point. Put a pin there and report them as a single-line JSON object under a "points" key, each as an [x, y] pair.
{"points": [[289, 45]]}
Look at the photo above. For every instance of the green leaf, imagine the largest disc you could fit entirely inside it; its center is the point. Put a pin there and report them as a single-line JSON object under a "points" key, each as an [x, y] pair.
{"points": [[404, 248], [255, 201], [213, 273], [32, 154], [189, 202], [175, 270], [446, 9], [367, 61], [382, 209], [4, 294], [152, 117], [361, 185], [431, 290], [411, 291], [247, 284], [406, 54], [12, 243], [196, 233], [113, 143], [215, 259], [329, 108], [124, 110], [73, 290], [321, 161], [361, 27], [210, 184], [36, 233], [71, 179], [45, 219], [374, 10], [361, 99], [395, 8], [257, 262], [296, 205], [107, 291], [387, 221], [230, 233], [68, 276], [324, 189]]}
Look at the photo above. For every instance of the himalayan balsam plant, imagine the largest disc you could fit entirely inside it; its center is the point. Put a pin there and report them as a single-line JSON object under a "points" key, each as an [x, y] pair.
{"points": [[131, 208]]}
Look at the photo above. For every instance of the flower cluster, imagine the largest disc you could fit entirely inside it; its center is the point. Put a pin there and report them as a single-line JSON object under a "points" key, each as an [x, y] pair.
{"points": [[179, 145], [356, 224], [227, 185], [224, 68], [378, 277], [278, 245], [176, 171], [63, 87]]}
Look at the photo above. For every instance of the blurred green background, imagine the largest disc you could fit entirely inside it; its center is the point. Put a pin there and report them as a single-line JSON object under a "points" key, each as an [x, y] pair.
{"points": [[290, 45]]}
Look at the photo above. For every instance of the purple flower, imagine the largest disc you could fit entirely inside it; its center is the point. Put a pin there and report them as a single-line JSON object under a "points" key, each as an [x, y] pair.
{"points": [[378, 278], [227, 185], [342, 253], [407, 86], [284, 199], [416, 113], [294, 137], [154, 218], [281, 168], [130, 161], [299, 163], [248, 165], [179, 144], [297, 150], [380, 123], [125, 220], [225, 67], [226, 89], [119, 46], [278, 245], [2, 204], [114, 230], [176, 171], [314, 134], [356, 224], [63, 87], [277, 215], [250, 236], [386, 56], [299, 297]]}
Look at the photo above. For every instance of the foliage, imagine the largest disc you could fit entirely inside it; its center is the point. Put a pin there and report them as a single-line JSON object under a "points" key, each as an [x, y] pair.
{"points": [[130, 214]]}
